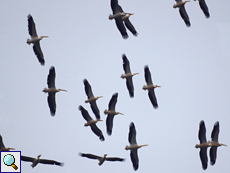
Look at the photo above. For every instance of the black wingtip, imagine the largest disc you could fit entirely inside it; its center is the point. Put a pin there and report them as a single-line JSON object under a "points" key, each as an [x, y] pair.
{"points": [[102, 138], [125, 36], [80, 108]]}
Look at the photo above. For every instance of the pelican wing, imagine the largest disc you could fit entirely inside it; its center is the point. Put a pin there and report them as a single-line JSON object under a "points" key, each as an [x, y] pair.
{"points": [[126, 66], [132, 134], [113, 101], [114, 159], [27, 159], [204, 8], [52, 103], [51, 78], [85, 114], [88, 89], [213, 152], [97, 131], [114, 6], [50, 162], [95, 109], [2, 146], [31, 26], [148, 78], [109, 123], [203, 157], [153, 98], [215, 132], [90, 156], [130, 27], [38, 53], [129, 84], [121, 27], [134, 159], [184, 15], [202, 133]]}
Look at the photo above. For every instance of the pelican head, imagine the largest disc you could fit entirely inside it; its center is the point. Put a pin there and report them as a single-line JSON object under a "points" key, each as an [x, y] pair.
{"points": [[62, 90], [127, 15], [45, 90], [144, 87], [43, 37], [142, 145], [119, 113], [105, 155], [39, 156], [126, 147], [155, 86], [223, 144]]}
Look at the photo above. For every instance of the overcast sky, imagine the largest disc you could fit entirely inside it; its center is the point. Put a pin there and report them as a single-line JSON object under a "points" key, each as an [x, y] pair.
{"points": [[190, 64]]}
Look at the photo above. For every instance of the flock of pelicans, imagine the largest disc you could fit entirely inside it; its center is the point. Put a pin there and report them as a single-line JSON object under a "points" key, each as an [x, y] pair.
{"points": [[122, 21]]}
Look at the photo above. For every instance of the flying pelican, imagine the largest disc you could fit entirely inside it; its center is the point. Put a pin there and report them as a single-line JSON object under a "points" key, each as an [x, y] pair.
{"points": [[214, 143], [52, 90], [101, 159], [2, 146], [111, 113], [120, 16], [133, 146], [204, 8], [37, 160], [91, 123], [128, 75], [35, 40], [203, 145], [150, 87], [180, 4], [91, 99]]}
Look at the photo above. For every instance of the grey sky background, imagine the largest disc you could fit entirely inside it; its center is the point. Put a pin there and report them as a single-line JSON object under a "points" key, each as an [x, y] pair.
{"points": [[190, 64]]}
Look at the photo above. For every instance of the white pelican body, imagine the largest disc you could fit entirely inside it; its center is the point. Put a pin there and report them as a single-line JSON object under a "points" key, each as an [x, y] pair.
{"points": [[128, 75], [214, 143], [133, 146], [91, 99], [91, 123], [35, 40], [111, 113], [51, 90], [101, 159], [180, 4], [120, 17], [150, 87], [37, 160]]}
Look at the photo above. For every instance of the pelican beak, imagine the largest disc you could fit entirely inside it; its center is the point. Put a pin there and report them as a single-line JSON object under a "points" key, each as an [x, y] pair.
{"points": [[157, 86], [63, 90], [11, 148], [99, 97], [129, 14], [135, 74], [44, 36], [39, 156], [120, 113], [99, 120], [224, 145]]}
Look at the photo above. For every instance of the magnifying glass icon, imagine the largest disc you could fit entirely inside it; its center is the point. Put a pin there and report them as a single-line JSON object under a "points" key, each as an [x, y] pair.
{"points": [[9, 160]]}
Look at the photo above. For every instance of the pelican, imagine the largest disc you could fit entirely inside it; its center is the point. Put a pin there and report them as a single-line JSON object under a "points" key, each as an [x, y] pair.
{"points": [[180, 4], [133, 146], [111, 113], [203, 145], [91, 123], [91, 99], [101, 159], [150, 87], [2, 146], [120, 17], [37, 160], [128, 75], [35, 40], [214, 143], [204, 8], [52, 90]]}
